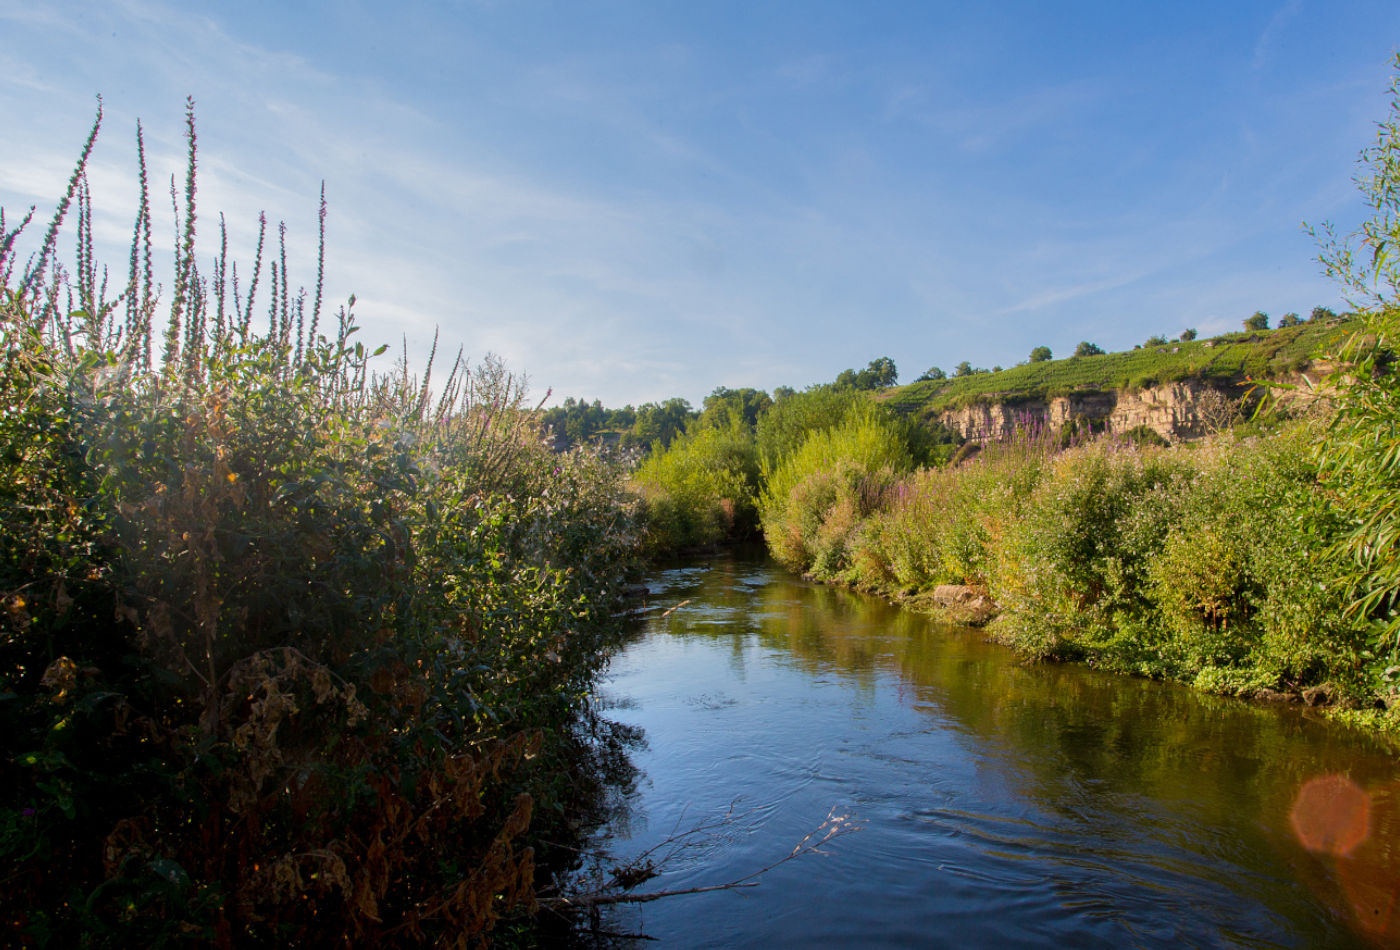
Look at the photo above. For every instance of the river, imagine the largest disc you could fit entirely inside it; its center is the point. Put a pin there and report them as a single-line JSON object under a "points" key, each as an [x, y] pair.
{"points": [[995, 803]]}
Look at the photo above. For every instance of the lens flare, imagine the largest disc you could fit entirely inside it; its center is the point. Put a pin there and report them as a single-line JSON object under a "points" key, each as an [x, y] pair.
{"points": [[1331, 814]]}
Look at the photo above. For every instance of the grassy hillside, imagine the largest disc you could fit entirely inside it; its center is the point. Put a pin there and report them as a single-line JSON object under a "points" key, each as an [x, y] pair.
{"points": [[1258, 354]]}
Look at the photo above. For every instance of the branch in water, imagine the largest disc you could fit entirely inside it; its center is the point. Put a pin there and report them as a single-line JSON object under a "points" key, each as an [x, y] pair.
{"points": [[642, 868]]}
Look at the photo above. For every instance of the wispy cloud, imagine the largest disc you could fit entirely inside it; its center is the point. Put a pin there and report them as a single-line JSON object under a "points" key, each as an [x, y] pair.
{"points": [[1268, 39]]}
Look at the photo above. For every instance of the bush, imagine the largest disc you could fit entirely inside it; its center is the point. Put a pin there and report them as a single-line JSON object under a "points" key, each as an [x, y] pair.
{"points": [[1071, 568], [291, 653], [813, 499], [787, 424], [701, 490]]}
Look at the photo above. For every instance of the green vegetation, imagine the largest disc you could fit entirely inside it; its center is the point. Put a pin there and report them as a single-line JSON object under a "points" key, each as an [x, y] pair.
{"points": [[1244, 565], [815, 497], [1231, 358], [701, 490], [879, 374], [1360, 457], [578, 422], [1181, 563], [291, 652], [1265, 559]]}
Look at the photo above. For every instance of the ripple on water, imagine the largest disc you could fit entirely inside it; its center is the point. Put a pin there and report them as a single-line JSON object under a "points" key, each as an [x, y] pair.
{"points": [[1004, 805]]}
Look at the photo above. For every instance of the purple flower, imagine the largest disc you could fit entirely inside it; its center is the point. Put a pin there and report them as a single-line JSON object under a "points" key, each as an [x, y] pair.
{"points": [[28, 812]]}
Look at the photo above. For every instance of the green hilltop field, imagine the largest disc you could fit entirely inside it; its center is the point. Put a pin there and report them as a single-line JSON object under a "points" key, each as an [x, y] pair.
{"points": [[1231, 357]]}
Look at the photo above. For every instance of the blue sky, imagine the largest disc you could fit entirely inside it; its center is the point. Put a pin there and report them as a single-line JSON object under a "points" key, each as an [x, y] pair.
{"points": [[631, 201]]}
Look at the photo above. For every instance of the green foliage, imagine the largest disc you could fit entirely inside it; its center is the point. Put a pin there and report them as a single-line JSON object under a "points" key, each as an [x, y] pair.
{"points": [[701, 490], [725, 408], [1156, 340], [1322, 313], [576, 421], [1221, 361], [1188, 335], [1259, 320], [1244, 580], [1360, 459], [1208, 565], [291, 652], [879, 374], [1086, 348], [933, 373], [1041, 354], [1072, 566], [815, 497], [658, 423], [1289, 320], [786, 425]]}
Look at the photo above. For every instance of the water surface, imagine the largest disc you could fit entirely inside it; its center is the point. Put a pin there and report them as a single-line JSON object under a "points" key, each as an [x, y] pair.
{"points": [[1002, 804]]}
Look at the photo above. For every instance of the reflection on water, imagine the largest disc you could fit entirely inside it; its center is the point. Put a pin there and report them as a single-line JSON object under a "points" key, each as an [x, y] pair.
{"points": [[1005, 804]]}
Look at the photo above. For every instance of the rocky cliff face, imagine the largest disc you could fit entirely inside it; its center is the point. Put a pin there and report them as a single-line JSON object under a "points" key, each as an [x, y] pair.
{"points": [[1176, 411]]}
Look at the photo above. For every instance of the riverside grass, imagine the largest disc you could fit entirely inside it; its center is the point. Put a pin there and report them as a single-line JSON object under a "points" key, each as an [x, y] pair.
{"points": [[292, 652]]}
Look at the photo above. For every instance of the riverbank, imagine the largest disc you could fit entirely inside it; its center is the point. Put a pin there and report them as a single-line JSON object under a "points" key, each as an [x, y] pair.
{"points": [[1211, 564]]}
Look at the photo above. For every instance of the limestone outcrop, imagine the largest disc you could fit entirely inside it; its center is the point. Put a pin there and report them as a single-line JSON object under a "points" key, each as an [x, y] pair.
{"points": [[1178, 411]]}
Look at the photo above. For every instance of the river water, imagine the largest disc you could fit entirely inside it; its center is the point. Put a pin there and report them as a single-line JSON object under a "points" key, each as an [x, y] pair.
{"points": [[997, 804]]}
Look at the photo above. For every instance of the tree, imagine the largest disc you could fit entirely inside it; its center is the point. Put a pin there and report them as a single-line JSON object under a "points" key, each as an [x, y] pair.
{"points": [[1259, 321], [1086, 348], [883, 372], [963, 369], [1188, 334], [660, 423], [932, 373], [1322, 313], [1289, 320], [724, 408], [1040, 354], [879, 374]]}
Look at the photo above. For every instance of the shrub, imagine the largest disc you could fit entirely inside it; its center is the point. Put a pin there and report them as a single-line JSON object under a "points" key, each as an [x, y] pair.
{"points": [[701, 490], [838, 475], [291, 652], [1072, 565], [787, 424]]}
